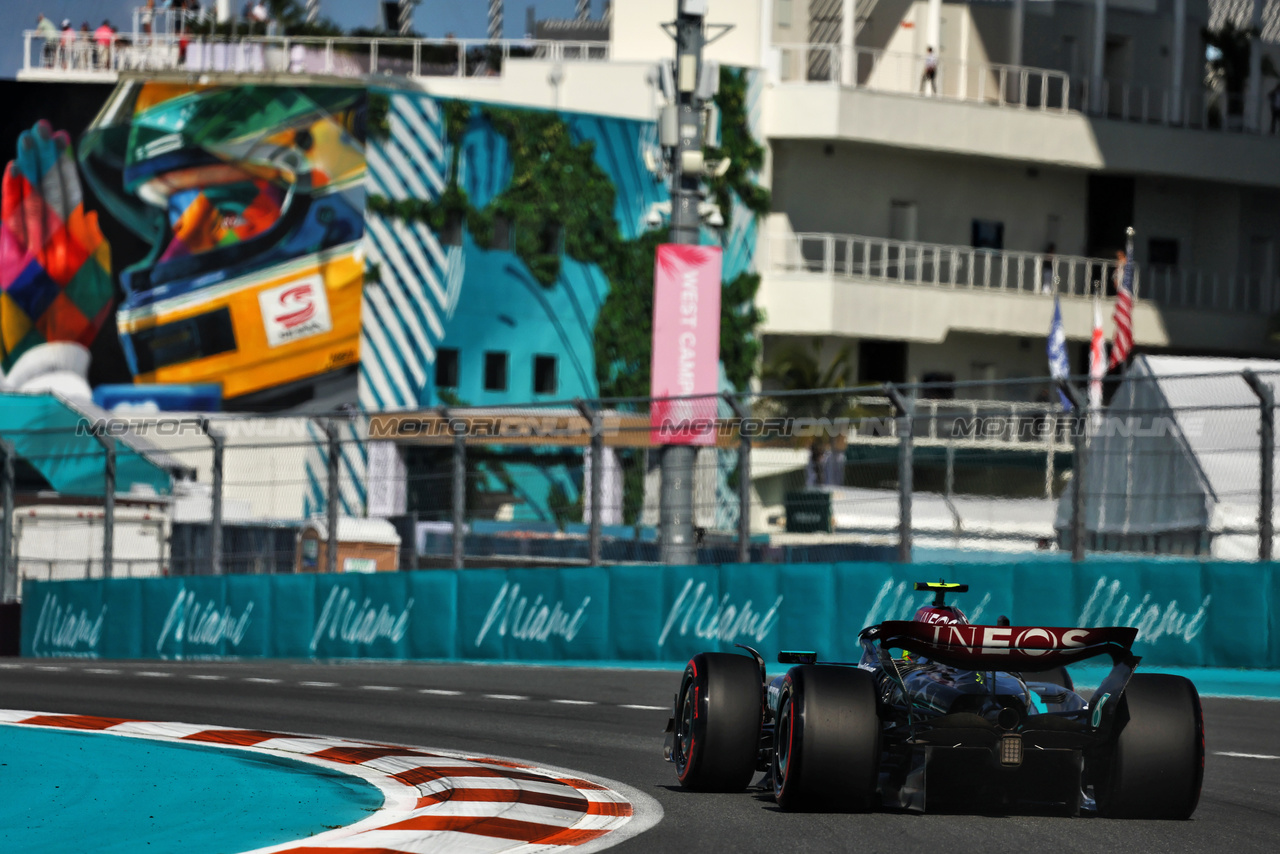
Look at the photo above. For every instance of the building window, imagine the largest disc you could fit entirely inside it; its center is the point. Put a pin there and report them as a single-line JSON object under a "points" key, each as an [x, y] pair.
{"points": [[783, 11], [544, 375], [988, 234], [451, 232], [503, 234], [446, 368], [1162, 252], [495, 371]]}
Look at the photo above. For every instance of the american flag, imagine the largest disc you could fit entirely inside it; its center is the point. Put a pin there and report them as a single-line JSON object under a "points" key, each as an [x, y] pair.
{"points": [[1122, 343], [1096, 359]]}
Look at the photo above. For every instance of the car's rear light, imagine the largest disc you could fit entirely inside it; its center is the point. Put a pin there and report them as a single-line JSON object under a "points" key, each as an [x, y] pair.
{"points": [[1011, 750]]}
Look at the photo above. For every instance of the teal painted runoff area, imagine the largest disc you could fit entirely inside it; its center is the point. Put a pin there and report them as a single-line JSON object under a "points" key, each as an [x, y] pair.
{"points": [[1188, 613], [130, 794]]}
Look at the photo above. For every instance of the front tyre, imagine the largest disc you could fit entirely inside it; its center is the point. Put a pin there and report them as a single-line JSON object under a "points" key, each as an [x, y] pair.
{"points": [[827, 741], [719, 711], [1156, 763]]}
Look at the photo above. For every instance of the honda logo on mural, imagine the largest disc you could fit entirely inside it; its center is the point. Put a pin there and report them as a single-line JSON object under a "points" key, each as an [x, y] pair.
{"points": [[294, 311]]}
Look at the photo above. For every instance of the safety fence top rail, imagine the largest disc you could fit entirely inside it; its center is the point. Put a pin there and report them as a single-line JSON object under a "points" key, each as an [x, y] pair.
{"points": [[344, 56], [966, 267]]}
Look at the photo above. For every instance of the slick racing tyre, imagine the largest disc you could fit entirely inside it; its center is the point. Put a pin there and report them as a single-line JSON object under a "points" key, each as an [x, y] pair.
{"points": [[719, 711], [827, 741], [1155, 766]]}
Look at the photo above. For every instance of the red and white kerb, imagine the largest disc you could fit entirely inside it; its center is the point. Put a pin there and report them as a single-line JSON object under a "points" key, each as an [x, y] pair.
{"points": [[433, 800]]}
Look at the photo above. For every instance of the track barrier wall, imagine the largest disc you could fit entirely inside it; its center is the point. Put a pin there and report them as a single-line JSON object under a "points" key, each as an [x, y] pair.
{"points": [[1189, 613]]}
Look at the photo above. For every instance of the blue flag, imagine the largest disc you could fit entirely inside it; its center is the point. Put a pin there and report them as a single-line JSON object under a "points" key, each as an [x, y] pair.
{"points": [[1059, 368]]}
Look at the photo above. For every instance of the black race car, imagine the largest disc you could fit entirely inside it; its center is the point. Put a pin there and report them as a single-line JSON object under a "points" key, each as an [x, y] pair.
{"points": [[968, 716]]}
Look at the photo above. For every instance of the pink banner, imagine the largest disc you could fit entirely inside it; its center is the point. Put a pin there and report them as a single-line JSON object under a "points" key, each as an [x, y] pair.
{"points": [[686, 344]]}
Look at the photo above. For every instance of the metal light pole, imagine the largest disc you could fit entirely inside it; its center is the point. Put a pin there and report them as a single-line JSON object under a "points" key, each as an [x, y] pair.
{"points": [[678, 545]]}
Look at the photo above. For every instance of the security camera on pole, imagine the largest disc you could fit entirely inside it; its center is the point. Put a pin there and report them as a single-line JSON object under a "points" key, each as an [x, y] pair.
{"points": [[686, 305]]}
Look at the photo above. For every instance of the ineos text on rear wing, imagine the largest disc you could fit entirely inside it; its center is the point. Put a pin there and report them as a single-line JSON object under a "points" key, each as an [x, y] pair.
{"points": [[1023, 648]]}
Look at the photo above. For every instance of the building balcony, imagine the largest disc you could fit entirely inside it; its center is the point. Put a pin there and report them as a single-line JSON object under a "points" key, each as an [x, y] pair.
{"points": [[85, 58], [1035, 115], [872, 287]]}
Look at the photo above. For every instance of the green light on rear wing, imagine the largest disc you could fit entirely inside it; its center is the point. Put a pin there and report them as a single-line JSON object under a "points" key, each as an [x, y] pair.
{"points": [[946, 586]]}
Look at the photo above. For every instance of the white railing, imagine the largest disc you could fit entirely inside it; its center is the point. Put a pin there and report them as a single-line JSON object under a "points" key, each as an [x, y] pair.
{"points": [[1019, 86], [339, 56], [964, 267], [904, 73]]}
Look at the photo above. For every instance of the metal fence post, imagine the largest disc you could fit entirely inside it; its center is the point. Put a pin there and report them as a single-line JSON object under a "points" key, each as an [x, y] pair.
{"points": [[215, 499], [332, 496], [1267, 434], [108, 501], [905, 473], [1081, 449], [459, 495], [8, 566], [596, 486], [744, 480]]}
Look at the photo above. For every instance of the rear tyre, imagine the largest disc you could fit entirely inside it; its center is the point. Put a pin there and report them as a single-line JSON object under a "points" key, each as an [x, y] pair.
{"points": [[827, 741], [1155, 766], [718, 714]]}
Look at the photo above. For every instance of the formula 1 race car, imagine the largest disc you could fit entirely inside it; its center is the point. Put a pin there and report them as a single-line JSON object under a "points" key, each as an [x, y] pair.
{"points": [[969, 716]]}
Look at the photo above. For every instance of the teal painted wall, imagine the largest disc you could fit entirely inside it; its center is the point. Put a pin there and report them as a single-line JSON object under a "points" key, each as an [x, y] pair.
{"points": [[1188, 613]]}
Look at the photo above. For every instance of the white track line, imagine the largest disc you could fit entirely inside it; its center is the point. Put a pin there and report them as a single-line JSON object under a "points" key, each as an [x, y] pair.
{"points": [[440, 692], [505, 697], [644, 708], [379, 688], [207, 676], [576, 702], [319, 684], [1244, 755], [262, 680]]}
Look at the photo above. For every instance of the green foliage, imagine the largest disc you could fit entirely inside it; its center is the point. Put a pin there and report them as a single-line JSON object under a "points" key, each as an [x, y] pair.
{"points": [[801, 366], [624, 327], [739, 317], [560, 203], [379, 116], [746, 156]]}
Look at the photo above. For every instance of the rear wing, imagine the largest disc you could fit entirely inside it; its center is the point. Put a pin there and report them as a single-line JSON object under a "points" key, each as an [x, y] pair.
{"points": [[1022, 648]]}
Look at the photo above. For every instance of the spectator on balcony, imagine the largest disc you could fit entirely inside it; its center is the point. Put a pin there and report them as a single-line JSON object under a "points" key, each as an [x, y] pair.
{"points": [[1048, 279], [103, 37], [83, 46], [66, 42], [930, 75], [146, 15], [46, 31]]}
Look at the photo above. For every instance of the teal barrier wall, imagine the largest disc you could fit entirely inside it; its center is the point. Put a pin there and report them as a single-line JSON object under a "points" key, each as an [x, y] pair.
{"points": [[1188, 612]]}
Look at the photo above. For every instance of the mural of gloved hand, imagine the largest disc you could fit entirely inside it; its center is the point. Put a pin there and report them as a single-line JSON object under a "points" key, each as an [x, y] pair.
{"points": [[55, 266]]}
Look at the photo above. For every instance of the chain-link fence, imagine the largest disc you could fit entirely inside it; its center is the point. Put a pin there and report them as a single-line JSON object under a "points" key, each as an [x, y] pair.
{"points": [[1173, 458]]}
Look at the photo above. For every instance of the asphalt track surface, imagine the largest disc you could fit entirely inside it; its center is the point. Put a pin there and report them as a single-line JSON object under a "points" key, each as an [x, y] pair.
{"points": [[596, 721]]}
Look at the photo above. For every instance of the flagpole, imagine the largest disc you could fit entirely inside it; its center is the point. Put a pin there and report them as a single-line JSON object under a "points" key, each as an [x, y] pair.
{"points": [[1128, 258]]}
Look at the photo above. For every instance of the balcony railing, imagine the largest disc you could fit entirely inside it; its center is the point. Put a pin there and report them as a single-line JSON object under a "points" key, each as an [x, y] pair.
{"points": [[1006, 271], [342, 57], [1011, 86]]}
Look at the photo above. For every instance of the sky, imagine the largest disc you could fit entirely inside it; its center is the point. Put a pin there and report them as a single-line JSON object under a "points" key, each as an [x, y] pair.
{"points": [[433, 18]]}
